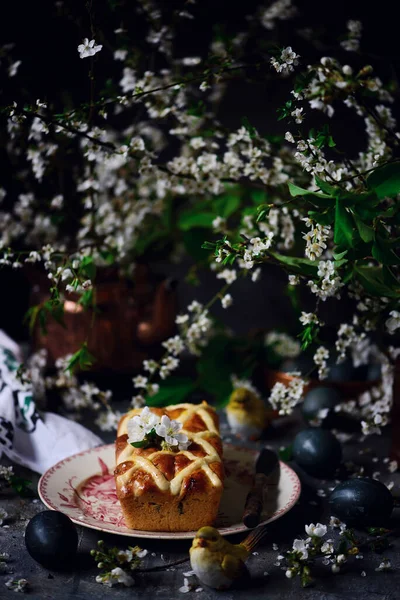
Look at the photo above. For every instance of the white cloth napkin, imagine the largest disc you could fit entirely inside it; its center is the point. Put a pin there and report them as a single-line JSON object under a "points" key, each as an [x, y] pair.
{"points": [[28, 437]]}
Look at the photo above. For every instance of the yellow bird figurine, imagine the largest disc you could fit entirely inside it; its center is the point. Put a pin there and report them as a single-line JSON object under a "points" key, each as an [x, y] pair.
{"points": [[247, 414], [218, 563]]}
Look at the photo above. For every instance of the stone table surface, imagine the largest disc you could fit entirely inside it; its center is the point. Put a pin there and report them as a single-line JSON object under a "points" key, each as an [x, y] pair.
{"points": [[268, 579]]}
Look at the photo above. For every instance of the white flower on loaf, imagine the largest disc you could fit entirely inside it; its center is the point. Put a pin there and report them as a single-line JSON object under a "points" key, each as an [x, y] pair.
{"points": [[140, 425], [169, 430]]}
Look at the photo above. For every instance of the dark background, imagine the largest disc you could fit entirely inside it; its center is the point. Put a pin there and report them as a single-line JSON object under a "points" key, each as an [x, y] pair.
{"points": [[46, 36]]}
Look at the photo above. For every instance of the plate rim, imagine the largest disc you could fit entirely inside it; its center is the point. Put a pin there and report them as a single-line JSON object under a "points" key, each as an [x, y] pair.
{"points": [[170, 535]]}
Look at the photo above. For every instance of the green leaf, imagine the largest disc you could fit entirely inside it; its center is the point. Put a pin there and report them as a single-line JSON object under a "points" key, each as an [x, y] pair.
{"points": [[366, 232], [286, 110], [308, 335], [250, 128], [371, 278], [82, 359], [286, 454], [31, 316], [190, 219], [226, 205], [108, 256], [343, 234], [258, 196], [389, 278], [194, 243], [141, 444], [21, 486], [56, 311], [340, 255], [322, 137], [385, 181], [88, 267], [302, 266], [86, 299], [215, 368], [173, 391], [326, 187], [340, 263], [324, 218], [229, 259], [383, 253], [295, 190]]}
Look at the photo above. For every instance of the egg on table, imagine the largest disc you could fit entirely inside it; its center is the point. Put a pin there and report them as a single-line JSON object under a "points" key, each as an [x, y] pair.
{"points": [[51, 539]]}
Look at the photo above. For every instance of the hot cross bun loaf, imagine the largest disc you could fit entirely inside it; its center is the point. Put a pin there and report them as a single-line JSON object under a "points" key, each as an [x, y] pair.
{"points": [[163, 490]]}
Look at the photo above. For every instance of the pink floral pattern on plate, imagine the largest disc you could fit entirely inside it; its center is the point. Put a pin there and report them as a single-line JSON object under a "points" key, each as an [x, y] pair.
{"points": [[83, 487]]}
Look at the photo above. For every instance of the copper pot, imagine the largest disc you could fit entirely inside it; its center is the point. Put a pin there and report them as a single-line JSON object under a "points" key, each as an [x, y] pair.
{"points": [[129, 323], [348, 389]]}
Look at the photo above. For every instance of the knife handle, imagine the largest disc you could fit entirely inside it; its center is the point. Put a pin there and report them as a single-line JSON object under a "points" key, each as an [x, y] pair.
{"points": [[254, 502]]}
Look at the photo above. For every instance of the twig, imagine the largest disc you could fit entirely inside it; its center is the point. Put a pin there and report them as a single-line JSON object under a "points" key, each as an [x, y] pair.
{"points": [[163, 567]]}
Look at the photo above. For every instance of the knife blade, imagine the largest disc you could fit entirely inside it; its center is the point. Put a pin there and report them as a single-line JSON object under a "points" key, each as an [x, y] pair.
{"points": [[267, 473]]}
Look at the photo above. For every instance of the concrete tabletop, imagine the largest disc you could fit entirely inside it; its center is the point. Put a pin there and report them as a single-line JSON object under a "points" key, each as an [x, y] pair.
{"points": [[268, 579]]}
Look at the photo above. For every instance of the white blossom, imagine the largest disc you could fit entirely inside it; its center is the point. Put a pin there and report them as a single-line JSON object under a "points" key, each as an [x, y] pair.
{"points": [[301, 547], [385, 565], [175, 345], [150, 366], [120, 54], [115, 576], [393, 323], [307, 318], [283, 344], [170, 431], [226, 301], [318, 530], [88, 48], [12, 69], [286, 61], [228, 274], [17, 585], [140, 381]]}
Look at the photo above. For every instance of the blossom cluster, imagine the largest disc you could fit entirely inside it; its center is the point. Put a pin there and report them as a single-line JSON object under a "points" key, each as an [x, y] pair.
{"points": [[284, 398], [147, 428], [117, 565], [329, 283], [283, 344], [124, 186], [195, 328], [300, 560], [315, 239]]}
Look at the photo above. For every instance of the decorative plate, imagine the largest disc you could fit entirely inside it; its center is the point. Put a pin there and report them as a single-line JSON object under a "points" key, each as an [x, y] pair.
{"points": [[82, 486]]}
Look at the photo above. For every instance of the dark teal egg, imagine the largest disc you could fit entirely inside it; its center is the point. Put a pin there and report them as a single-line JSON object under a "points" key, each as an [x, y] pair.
{"points": [[318, 452], [51, 539], [343, 371], [362, 502], [319, 398]]}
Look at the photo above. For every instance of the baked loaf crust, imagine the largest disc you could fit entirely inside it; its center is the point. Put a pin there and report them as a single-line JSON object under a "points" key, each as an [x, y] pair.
{"points": [[161, 490]]}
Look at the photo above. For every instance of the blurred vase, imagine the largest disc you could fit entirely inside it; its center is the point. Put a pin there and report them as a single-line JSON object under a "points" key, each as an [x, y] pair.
{"points": [[131, 319]]}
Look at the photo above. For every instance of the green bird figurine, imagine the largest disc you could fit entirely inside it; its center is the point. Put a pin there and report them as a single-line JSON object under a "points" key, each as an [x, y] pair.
{"points": [[218, 563]]}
